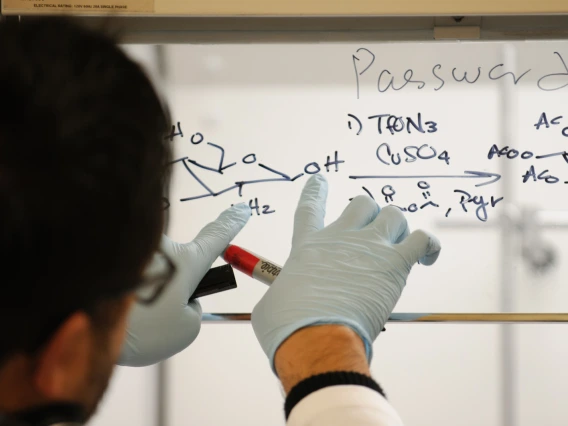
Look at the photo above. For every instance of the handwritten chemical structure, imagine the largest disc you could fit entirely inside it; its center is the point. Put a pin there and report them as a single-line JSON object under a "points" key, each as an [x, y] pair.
{"points": [[466, 199], [249, 159], [335, 163]]}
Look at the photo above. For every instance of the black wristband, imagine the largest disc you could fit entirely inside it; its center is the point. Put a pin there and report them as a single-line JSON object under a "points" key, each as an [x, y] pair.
{"points": [[320, 381]]}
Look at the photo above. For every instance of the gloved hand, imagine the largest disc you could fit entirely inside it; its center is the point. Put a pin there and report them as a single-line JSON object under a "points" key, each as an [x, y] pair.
{"points": [[170, 324], [351, 272]]}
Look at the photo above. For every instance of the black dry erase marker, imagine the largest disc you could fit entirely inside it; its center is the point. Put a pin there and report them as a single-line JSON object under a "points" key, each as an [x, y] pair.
{"points": [[216, 280]]}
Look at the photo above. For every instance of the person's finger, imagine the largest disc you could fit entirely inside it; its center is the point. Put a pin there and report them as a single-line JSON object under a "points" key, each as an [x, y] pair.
{"points": [[390, 224], [420, 246], [310, 213], [214, 238], [361, 211]]}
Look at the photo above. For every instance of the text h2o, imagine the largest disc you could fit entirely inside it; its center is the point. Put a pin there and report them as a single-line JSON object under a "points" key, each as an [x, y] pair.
{"points": [[253, 204], [256, 208]]}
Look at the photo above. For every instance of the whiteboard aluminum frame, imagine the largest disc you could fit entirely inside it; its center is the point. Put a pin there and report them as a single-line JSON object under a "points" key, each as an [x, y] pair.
{"points": [[415, 317], [234, 30], [230, 30], [330, 30]]}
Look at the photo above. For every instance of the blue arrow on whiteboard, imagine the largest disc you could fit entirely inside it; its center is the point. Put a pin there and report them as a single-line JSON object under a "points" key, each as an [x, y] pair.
{"points": [[468, 174]]}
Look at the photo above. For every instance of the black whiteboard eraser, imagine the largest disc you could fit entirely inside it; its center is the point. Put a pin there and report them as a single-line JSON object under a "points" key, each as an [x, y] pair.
{"points": [[216, 280]]}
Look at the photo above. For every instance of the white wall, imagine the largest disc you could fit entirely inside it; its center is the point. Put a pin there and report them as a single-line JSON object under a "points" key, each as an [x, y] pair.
{"points": [[130, 399]]}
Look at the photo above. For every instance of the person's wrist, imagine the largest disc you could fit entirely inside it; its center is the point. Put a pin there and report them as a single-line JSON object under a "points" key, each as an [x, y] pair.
{"points": [[319, 349]]}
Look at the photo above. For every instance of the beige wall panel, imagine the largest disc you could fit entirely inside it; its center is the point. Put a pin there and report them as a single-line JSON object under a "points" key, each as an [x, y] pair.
{"points": [[308, 7], [360, 7]]}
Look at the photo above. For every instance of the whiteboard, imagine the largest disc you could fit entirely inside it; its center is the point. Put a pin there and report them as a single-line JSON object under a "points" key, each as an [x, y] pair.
{"points": [[289, 104], [422, 126]]}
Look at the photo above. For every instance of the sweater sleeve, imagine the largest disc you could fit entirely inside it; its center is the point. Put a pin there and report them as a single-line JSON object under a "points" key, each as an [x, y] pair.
{"points": [[344, 405]]}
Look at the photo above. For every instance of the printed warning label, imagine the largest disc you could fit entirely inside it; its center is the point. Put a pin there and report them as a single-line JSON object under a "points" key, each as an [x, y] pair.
{"points": [[78, 6]]}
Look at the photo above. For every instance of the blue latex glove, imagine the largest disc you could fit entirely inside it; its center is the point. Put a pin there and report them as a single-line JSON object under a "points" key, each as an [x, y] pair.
{"points": [[170, 324], [351, 272]]}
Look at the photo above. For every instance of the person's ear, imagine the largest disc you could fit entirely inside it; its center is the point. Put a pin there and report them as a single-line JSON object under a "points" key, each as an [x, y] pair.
{"points": [[62, 366]]}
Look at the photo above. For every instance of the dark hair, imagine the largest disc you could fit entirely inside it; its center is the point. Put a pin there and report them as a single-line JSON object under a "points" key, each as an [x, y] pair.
{"points": [[82, 174]]}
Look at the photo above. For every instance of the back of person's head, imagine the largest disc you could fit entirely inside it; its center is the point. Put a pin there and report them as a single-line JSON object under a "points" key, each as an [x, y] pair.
{"points": [[82, 173]]}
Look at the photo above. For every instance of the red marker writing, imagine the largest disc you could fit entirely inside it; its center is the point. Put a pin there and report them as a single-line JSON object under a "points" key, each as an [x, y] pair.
{"points": [[252, 265]]}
